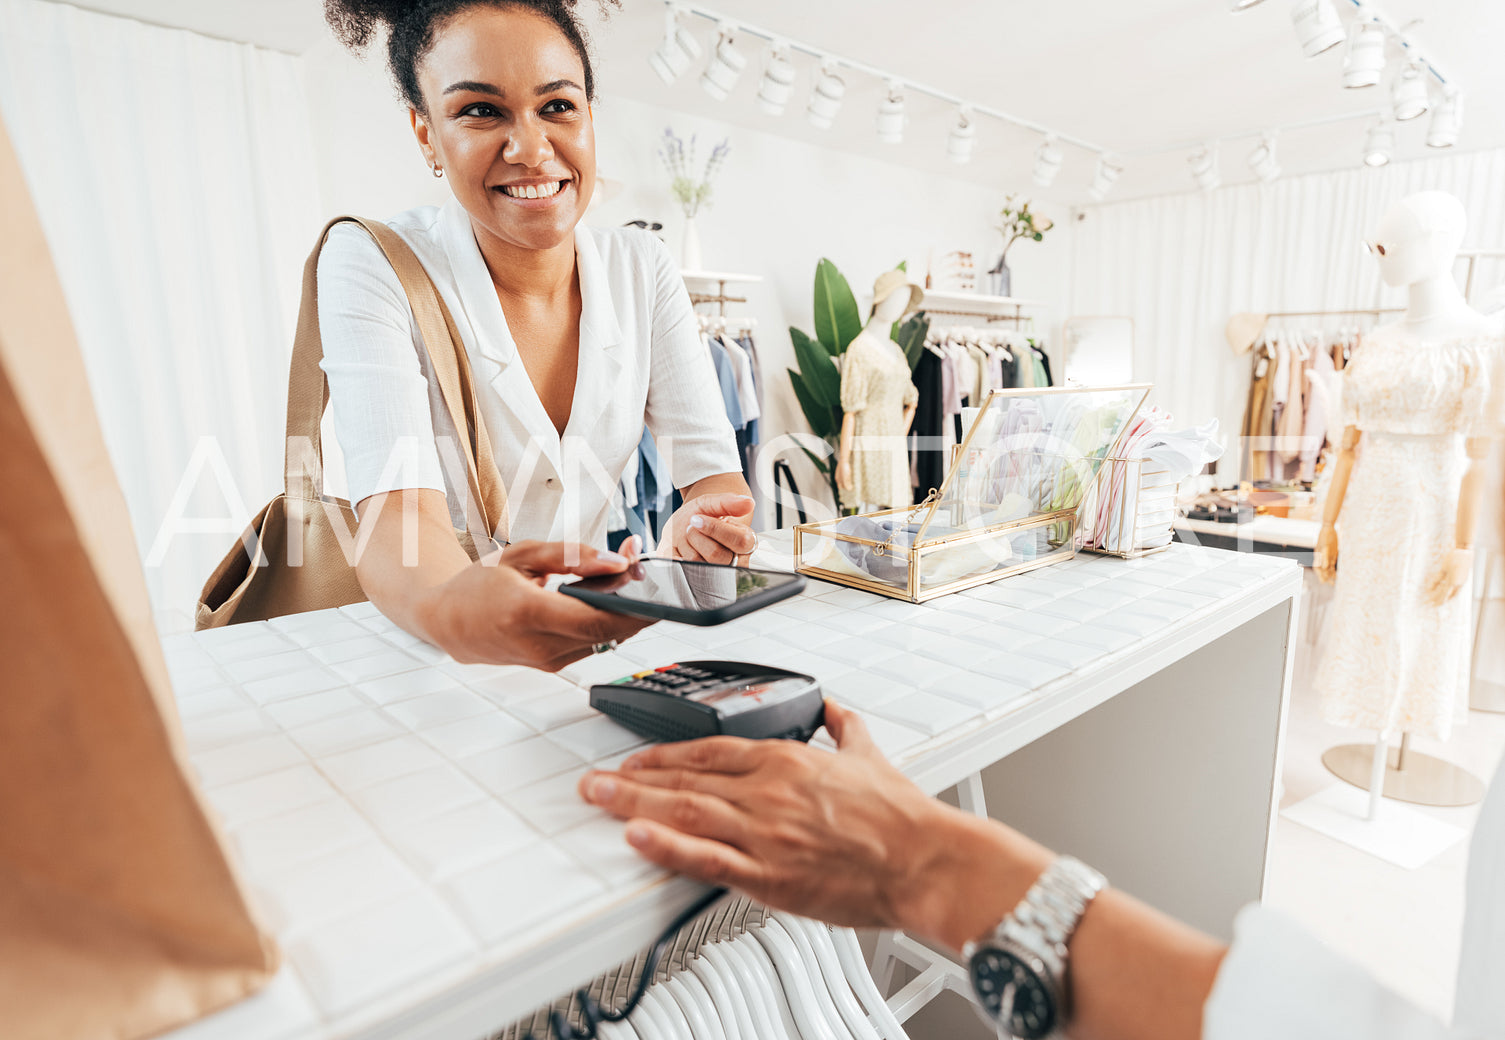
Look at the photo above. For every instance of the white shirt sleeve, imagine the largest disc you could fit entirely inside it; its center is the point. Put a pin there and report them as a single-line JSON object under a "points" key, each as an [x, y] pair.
{"points": [[1279, 981], [377, 383], [685, 411]]}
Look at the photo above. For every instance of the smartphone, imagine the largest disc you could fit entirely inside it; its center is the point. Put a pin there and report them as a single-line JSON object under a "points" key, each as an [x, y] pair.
{"points": [[687, 591]]}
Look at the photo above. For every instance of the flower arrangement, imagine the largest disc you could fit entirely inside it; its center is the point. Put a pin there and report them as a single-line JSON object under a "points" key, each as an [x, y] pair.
{"points": [[690, 192], [1016, 222]]}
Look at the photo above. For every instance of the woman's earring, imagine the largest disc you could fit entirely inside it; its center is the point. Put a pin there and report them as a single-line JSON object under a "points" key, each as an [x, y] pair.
{"points": [[438, 171]]}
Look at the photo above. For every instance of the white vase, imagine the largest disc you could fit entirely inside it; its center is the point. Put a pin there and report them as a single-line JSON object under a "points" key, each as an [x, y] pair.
{"points": [[689, 250]]}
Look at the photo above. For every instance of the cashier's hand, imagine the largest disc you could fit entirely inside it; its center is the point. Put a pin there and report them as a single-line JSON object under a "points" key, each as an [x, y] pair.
{"points": [[714, 528], [842, 837], [1455, 570], [499, 612]]}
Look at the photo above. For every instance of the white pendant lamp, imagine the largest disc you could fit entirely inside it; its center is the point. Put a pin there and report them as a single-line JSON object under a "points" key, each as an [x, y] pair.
{"points": [[1409, 94], [1364, 61], [1204, 168], [1048, 160], [1263, 162], [1103, 180], [1317, 26], [725, 68], [963, 137], [1379, 145], [890, 119], [825, 99], [777, 85], [677, 52], [1447, 121]]}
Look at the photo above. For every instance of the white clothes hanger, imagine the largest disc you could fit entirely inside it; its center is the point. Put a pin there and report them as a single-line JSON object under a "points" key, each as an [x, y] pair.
{"points": [[668, 1011], [649, 1021], [804, 1003], [814, 941], [740, 978], [699, 1024], [766, 988], [729, 1000], [850, 954]]}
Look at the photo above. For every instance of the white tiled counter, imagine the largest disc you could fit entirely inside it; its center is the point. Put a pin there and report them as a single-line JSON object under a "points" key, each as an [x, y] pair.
{"points": [[410, 828]]}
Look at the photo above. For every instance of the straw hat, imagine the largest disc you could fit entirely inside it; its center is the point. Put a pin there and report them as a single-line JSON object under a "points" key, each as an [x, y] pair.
{"points": [[1243, 330], [893, 281]]}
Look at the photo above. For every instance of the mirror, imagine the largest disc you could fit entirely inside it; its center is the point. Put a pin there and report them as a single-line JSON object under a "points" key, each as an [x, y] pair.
{"points": [[1099, 351]]}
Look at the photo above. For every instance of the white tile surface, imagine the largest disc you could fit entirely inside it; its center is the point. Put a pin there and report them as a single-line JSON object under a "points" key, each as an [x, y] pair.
{"points": [[283, 687], [300, 898], [390, 688], [516, 765], [436, 709], [448, 843], [553, 710], [266, 667], [394, 803], [926, 712], [249, 758], [375, 665], [304, 834], [301, 711], [350, 648], [374, 763], [554, 804], [508, 897], [344, 732], [601, 846], [271, 795], [596, 737], [207, 732], [520, 684], [456, 740], [351, 962]]}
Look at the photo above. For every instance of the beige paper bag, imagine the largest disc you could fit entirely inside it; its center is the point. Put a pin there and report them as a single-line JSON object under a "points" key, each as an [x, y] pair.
{"points": [[120, 915]]}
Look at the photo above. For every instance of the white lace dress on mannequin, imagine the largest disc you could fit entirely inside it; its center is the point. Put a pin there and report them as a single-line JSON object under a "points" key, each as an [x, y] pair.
{"points": [[1393, 660]]}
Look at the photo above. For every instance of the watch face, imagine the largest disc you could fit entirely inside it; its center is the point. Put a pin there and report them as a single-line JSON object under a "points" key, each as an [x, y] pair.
{"points": [[1014, 993]]}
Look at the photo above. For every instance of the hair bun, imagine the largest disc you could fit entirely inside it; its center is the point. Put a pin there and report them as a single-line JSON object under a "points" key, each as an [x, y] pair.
{"points": [[356, 22]]}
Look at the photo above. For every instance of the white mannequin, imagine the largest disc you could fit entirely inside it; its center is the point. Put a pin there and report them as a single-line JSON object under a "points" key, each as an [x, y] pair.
{"points": [[887, 309], [1415, 245]]}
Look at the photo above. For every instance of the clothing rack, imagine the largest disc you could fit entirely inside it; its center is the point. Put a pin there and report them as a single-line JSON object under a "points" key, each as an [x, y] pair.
{"points": [[975, 305], [720, 299], [1374, 311], [701, 283]]}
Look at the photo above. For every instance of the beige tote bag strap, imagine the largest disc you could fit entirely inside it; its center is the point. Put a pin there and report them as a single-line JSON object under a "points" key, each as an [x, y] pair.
{"points": [[308, 390], [451, 367]]}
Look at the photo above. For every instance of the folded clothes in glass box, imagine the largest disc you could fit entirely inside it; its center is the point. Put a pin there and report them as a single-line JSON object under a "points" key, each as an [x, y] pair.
{"points": [[1008, 504]]}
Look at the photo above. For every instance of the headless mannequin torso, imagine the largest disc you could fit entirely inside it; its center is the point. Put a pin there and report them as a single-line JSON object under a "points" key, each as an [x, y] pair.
{"points": [[1395, 658], [875, 336]]}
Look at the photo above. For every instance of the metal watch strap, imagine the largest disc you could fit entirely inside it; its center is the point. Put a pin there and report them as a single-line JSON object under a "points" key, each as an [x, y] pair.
{"points": [[1055, 903]]}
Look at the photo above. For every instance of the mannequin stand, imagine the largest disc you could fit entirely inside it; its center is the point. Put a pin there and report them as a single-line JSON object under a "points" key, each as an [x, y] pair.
{"points": [[1410, 776]]}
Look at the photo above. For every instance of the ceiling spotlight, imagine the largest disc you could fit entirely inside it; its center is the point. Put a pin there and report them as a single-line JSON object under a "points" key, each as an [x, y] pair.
{"points": [[963, 137], [677, 51], [1048, 160], [778, 82], [1102, 181], [1317, 26], [1364, 61], [1379, 145], [726, 66], [825, 99], [1204, 168], [1409, 93], [890, 120], [1263, 162], [1244, 5], [1447, 121]]}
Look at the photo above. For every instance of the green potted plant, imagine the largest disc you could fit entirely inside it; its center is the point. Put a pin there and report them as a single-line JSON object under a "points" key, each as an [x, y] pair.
{"points": [[817, 380], [1016, 221]]}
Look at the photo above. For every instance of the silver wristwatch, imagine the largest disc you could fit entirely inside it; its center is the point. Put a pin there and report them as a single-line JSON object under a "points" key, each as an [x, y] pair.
{"points": [[1019, 972]]}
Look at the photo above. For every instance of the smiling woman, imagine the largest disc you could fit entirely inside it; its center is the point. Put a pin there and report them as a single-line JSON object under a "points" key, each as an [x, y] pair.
{"points": [[578, 338]]}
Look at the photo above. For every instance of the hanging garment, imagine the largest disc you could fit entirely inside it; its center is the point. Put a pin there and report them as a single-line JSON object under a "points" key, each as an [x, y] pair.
{"points": [[1292, 422], [875, 390], [1314, 428], [927, 462], [1394, 661], [1049, 380], [1254, 460]]}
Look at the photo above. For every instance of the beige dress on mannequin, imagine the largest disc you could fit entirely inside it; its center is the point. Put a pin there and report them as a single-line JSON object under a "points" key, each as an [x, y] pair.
{"points": [[1393, 660], [875, 389]]}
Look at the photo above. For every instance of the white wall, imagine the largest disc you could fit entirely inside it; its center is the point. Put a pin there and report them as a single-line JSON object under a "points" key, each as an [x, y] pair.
{"points": [[779, 206]]}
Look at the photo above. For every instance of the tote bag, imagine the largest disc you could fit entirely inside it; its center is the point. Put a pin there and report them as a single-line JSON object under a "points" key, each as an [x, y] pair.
{"points": [[120, 915], [298, 552]]}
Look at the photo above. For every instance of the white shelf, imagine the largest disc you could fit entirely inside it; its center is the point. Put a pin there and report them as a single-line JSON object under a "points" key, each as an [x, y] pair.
{"points": [[974, 303], [719, 276]]}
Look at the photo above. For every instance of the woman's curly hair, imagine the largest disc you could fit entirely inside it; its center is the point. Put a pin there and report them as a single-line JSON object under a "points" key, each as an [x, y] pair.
{"points": [[411, 24]]}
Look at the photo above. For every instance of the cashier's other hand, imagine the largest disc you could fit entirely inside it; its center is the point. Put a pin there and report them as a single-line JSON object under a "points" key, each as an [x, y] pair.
{"points": [[1455, 571], [840, 837], [714, 528], [1325, 558], [498, 611]]}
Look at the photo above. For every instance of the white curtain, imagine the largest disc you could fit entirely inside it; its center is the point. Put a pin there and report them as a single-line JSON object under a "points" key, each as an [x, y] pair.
{"points": [[1181, 265], [175, 179]]}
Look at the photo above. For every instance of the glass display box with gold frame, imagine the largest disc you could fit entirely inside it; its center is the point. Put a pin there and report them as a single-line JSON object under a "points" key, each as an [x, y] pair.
{"points": [[1008, 504]]}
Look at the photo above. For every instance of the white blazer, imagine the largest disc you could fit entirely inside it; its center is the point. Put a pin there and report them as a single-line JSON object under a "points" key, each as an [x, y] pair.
{"points": [[642, 360]]}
